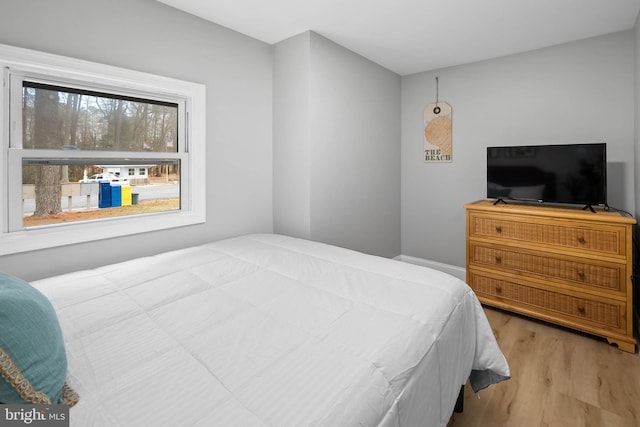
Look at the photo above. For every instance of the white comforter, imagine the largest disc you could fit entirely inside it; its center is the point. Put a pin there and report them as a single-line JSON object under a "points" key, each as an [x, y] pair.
{"points": [[266, 330]]}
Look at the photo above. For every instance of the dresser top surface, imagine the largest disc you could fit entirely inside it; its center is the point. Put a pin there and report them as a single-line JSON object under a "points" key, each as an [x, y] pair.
{"points": [[567, 212]]}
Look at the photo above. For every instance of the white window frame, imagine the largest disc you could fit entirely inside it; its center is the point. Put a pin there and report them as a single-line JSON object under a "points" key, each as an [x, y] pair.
{"points": [[89, 75]]}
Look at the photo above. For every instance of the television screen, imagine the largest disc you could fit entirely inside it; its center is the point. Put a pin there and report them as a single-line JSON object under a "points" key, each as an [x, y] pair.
{"points": [[570, 173]]}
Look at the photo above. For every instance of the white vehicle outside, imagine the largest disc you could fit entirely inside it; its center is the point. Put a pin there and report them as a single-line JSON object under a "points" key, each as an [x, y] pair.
{"points": [[103, 177]]}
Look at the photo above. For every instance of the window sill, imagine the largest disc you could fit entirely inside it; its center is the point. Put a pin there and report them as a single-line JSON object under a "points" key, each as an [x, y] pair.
{"points": [[67, 234]]}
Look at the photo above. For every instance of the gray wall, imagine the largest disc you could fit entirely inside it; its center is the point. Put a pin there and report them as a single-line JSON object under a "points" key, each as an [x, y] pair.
{"points": [[637, 121], [636, 285], [575, 92], [291, 136], [148, 36], [336, 154], [347, 138]]}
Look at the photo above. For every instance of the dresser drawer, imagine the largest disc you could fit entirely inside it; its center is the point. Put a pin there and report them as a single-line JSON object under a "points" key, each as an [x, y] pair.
{"points": [[570, 270], [561, 235], [558, 305]]}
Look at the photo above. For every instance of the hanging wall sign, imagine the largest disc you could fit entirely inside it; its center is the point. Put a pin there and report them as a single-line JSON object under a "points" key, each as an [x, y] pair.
{"points": [[437, 131]]}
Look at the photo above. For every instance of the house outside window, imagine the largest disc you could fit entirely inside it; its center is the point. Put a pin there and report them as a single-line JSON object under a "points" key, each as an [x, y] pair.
{"points": [[72, 134]]}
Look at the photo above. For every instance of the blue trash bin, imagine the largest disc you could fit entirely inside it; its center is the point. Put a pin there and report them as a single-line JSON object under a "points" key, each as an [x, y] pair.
{"points": [[104, 195], [116, 195]]}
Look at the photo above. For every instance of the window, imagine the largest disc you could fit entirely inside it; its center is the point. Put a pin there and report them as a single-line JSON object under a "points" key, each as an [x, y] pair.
{"points": [[74, 137]]}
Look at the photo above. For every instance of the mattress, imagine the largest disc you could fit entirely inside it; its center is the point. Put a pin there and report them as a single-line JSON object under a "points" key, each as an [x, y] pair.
{"points": [[268, 330]]}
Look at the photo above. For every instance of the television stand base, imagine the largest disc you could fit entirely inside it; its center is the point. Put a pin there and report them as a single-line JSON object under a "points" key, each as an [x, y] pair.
{"points": [[588, 206], [499, 200]]}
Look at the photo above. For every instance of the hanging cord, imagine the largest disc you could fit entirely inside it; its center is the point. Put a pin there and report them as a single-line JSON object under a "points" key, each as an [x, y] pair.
{"points": [[436, 109]]}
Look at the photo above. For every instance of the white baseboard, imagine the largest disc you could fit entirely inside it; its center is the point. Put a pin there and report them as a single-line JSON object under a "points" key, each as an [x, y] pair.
{"points": [[459, 272]]}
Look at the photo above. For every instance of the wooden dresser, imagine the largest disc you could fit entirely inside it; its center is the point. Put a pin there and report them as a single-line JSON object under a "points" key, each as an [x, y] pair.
{"points": [[562, 265]]}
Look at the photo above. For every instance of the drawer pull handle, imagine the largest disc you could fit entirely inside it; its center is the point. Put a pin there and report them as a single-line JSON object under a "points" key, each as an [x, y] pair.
{"points": [[499, 228], [581, 309], [498, 259], [498, 290], [581, 240], [581, 274]]}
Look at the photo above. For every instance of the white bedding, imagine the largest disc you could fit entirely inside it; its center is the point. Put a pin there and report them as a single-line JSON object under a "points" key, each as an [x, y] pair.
{"points": [[267, 330]]}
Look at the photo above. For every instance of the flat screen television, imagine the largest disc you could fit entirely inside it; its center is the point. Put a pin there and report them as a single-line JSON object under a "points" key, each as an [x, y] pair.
{"points": [[568, 173]]}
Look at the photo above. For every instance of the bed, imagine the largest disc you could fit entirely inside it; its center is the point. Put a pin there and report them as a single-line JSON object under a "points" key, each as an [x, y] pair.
{"points": [[269, 330]]}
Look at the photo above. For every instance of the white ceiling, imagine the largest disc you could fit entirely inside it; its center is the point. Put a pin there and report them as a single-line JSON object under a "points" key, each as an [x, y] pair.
{"points": [[409, 36]]}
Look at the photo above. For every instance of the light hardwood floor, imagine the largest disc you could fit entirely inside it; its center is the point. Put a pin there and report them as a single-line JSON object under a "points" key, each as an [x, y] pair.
{"points": [[559, 378]]}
